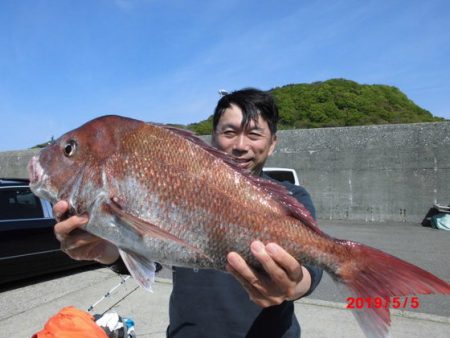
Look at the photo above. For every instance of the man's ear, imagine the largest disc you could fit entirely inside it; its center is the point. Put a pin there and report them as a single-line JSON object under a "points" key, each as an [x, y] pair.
{"points": [[274, 143]]}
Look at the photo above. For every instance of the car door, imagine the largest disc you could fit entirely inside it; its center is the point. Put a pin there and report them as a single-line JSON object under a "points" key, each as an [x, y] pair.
{"points": [[27, 241]]}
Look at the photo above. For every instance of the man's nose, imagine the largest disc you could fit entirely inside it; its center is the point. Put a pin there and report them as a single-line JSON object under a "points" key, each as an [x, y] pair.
{"points": [[241, 143]]}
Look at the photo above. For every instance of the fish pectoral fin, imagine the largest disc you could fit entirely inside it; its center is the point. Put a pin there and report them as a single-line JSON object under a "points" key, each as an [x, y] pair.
{"points": [[141, 269], [145, 228], [141, 226]]}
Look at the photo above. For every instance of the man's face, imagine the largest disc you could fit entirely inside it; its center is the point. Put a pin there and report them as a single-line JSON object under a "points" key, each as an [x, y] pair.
{"points": [[250, 146]]}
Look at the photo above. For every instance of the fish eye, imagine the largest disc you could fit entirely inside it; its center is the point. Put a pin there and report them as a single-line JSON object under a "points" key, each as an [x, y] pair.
{"points": [[70, 148]]}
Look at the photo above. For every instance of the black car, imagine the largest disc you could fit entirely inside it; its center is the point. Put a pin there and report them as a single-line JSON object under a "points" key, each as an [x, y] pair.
{"points": [[28, 246]]}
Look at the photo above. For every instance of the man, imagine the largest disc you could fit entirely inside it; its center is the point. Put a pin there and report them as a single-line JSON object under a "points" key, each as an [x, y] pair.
{"points": [[207, 303]]}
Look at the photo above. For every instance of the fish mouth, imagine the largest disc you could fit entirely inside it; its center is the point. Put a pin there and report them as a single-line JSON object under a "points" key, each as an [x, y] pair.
{"points": [[35, 171], [38, 180]]}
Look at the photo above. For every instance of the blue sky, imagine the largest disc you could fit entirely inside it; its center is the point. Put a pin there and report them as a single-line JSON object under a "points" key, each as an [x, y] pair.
{"points": [[65, 62]]}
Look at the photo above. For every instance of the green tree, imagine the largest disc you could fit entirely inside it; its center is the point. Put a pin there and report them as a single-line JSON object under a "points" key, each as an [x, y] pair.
{"points": [[339, 102]]}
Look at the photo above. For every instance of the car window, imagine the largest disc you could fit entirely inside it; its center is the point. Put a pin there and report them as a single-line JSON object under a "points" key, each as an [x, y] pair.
{"points": [[281, 176], [18, 203]]}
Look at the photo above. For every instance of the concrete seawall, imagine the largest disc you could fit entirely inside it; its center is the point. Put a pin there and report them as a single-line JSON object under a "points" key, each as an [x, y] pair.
{"points": [[369, 173], [13, 164]]}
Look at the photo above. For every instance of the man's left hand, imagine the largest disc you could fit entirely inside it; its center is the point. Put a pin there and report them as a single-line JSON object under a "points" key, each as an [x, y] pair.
{"points": [[286, 279]]}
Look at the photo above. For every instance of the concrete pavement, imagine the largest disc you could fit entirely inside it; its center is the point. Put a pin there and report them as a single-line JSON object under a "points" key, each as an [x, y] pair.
{"points": [[23, 312]]}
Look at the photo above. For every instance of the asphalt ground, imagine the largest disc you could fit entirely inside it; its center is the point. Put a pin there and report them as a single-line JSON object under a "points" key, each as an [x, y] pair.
{"points": [[26, 306]]}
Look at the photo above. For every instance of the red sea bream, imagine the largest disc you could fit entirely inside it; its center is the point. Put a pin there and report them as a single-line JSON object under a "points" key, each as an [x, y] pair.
{"points": [[161, 194]]}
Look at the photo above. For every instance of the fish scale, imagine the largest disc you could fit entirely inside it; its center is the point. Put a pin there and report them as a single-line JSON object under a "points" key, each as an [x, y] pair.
{"points": [[161, 194]]}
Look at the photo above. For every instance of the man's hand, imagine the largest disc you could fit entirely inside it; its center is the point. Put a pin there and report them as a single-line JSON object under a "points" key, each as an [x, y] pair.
{"points": [[79, 244], [288, 280]]}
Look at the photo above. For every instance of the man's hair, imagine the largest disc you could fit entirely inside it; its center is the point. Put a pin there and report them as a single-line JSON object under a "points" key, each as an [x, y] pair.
{"points": [[252, 102]]}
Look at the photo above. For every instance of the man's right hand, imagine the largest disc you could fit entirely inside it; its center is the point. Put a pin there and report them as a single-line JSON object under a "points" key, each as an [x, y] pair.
{"points": [[79, 244]]}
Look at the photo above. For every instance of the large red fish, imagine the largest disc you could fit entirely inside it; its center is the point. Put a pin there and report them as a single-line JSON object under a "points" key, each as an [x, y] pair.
{"points": [[161, 194]]}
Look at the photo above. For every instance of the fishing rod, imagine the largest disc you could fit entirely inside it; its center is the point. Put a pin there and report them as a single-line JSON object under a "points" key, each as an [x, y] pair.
{"points": [[108, 294], [113, 324]]}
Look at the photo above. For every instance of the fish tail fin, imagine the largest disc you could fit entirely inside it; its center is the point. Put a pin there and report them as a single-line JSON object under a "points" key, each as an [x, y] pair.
{"points": [[373, 274]]}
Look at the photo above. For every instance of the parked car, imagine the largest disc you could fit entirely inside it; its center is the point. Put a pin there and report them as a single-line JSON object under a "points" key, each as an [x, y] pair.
{"points": [[28, 246], [282, 174]]}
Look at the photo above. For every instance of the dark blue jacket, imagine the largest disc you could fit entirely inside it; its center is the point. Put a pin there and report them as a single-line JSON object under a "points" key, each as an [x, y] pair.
{"points": [[209, 303]]}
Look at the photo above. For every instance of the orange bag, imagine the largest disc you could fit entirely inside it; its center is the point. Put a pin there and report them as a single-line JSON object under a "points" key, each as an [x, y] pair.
{"points": [[71, 322]]}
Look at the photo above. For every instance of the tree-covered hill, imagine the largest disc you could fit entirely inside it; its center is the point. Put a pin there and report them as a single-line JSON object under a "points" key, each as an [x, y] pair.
{"points": [[339, 102]]}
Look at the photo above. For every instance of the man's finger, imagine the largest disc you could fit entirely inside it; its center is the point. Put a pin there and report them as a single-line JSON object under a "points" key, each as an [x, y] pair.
{"points": [[79, 239], [63, 228], [240, 266], [273, 269], [87, 251], [245, 274], [60, 208], [289, 264], [253, 292]]}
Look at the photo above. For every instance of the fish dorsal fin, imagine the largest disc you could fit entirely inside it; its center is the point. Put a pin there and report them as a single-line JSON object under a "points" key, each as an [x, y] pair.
{"points": [[281, 194], [210, 149], [293, 207]]}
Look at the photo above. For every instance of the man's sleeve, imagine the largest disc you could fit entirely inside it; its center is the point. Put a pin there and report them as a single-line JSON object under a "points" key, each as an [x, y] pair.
{"points": [[316, 273], [120, 267]]}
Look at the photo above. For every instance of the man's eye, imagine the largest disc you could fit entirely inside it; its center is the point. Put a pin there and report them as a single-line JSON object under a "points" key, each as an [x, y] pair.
{"points": [[229, 133], [255, 135]]}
